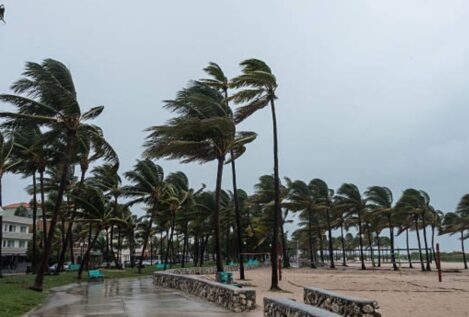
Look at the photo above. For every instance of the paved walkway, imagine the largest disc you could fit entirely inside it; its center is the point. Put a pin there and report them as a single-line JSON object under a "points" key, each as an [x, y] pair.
{"points": [[125, 298]]}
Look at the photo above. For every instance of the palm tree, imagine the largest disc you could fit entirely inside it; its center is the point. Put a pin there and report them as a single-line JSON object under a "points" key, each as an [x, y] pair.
{"points": [[46, 96], [379, 200], [6, 149], [455, 223], [323, 196], [97, 211], [258, 86], [410, 205], [219, 81], [148, 187], [353, 203], [202, 132], [301, 197]]}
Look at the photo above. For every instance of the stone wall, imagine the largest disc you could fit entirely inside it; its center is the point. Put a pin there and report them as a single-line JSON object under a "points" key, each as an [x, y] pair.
{"points": [[285, 307], [208, 270], [343, 305], [233, 298]]}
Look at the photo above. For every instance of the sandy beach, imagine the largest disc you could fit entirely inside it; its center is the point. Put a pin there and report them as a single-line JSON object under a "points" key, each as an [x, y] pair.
{"points": [[408, 292]]}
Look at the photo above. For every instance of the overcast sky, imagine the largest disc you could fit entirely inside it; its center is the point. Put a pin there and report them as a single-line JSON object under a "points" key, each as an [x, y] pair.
{"points": [[370, 92]]}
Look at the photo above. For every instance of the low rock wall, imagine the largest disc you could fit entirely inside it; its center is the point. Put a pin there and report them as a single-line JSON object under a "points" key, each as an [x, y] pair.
{"points": [[341, 304], [208, 270], [233, 298], [285, 307]]}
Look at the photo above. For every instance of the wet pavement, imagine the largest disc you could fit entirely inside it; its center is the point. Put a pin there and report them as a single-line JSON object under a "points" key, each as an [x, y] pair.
{"points": [[125, 298]]}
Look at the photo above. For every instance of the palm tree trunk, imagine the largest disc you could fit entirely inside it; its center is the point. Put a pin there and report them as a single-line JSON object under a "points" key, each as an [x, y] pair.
{"points": [[310, 239], [108, 264], [170, 241], [418, 242], [86, 257], [43, 206], [428, 268], [238, 219], [286, 261], [433, 255], [217, 214], [360, 238], [278, 210], [38, 282], [331, 249], [34, 247], [391, 238], [90, 229], [408, 249], [321, 246], [462, 248], [379, 249], [68, 237], [344, 257], [370, 244], [184, 245], [145, 242]]}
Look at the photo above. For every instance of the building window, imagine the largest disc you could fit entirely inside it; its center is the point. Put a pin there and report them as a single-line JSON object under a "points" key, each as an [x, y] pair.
{"points": [[10, 243], [5, 228], [4, 244], [12, 228], [23, 229], [22, 244]]}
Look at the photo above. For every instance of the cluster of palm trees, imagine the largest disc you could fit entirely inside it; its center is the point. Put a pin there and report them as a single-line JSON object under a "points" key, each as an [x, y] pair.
{"points": [[79, 196], [49, 134]]}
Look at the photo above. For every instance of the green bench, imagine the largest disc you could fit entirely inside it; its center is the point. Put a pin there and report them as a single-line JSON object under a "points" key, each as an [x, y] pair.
{"points": [[160, 266], [225, 277], [95, 274], [252, 262], [74, 267]]}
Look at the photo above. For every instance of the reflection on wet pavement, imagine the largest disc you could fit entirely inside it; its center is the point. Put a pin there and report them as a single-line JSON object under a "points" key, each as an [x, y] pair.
{"points": [[125, 297]]}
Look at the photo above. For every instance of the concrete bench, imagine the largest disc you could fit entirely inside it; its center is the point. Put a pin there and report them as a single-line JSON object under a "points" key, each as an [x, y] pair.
{"points": [[286, 307]]}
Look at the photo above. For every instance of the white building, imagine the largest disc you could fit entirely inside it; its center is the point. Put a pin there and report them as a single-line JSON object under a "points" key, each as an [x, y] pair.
{"points": [[16, 234]]}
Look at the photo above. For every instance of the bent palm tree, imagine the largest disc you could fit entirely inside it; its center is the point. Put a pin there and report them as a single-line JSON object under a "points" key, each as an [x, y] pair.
{"points": [[351, 200], [148, 187], [258, 85], [46, 96], [380, 200], [202, 132]]}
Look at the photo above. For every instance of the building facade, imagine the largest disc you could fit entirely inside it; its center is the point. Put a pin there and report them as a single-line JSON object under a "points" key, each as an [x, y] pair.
{"points": [[16, 237]]}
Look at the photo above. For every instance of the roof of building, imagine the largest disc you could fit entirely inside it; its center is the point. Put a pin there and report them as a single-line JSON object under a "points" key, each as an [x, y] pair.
{"points": [[16, 205]]}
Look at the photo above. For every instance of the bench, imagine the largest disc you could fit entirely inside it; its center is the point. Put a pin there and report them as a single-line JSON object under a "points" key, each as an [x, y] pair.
{"points": [[225, 277], [160, 266], [73, 267], [95, 274]]}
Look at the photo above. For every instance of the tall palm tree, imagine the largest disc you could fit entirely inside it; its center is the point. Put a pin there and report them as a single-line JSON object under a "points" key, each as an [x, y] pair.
{"points": [[257, 86], [202, 132], [219, 81], [354, 204], [380, 199], [148, 187], [46, 96]]}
